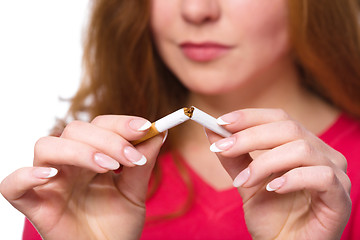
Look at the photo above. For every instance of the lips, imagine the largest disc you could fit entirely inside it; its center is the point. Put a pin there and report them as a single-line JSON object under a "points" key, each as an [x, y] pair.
{"points": [[204, 52]]}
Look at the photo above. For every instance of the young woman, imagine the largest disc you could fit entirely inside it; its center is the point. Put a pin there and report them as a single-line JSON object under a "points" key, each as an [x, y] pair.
{"points": [[284, 78]]}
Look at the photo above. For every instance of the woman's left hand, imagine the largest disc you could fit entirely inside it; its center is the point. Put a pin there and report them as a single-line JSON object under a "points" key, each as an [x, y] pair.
{"points": [[296, 188]]}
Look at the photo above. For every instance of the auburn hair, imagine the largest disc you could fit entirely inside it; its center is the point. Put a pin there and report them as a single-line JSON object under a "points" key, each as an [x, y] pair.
{"points": [[123, 74]]}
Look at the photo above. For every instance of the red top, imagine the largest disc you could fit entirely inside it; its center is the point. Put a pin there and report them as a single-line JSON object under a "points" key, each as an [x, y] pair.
{"points": [[219, 214]]}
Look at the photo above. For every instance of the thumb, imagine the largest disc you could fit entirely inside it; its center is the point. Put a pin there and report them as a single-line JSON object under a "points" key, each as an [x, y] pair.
{"points": [[134, 181], [18, 187]]}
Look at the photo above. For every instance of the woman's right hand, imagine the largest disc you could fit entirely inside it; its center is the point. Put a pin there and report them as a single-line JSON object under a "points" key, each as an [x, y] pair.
{"points": [[86, 199]]}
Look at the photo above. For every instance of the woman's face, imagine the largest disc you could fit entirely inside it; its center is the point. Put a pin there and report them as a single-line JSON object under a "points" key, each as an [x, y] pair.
{"points": [[214, 46]]}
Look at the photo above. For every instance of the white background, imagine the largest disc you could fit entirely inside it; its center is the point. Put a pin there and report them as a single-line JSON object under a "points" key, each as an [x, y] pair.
{"points": [[40, 61]]}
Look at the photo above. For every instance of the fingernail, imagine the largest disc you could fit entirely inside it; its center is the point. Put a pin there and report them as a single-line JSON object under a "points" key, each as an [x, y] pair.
{"points": [[222, 145], [134, 156], [205, 132], [228, 118], [44, 172], [139, 124], [106, 162], [165, 137], [275, 184], [242, 178]]}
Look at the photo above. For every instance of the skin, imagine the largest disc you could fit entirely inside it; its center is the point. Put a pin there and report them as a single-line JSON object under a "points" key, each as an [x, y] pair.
{"points": [[274, 137], [85, 200], [257, 74]]}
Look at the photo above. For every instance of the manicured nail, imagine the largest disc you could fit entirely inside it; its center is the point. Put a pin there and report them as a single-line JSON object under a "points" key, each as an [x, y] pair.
{"points": [[106, 162], [242, 178], [44, 172], [205, 132], [134, 156], [275, 184], [165, 137], [222, 145], [228, 118], [139, 124]]}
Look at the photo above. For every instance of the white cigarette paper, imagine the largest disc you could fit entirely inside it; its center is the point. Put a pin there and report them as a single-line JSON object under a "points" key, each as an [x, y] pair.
{"points": [[209, 122], [180, 116], [163, 124], [171, 120]]}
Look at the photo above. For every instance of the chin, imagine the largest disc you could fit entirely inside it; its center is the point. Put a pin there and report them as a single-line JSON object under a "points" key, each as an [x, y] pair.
{"points": [[210, 87]]}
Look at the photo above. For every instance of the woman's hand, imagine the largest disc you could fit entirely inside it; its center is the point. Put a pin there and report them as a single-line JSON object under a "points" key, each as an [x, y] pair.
{"points": [[295, 187], [86, 199]]}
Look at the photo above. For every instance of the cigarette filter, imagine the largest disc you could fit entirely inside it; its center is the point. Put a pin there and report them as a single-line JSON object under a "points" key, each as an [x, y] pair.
{"points": [[181, 116], [165, 123]]}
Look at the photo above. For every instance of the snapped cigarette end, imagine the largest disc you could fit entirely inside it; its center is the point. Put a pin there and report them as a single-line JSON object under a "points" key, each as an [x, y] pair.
{"points": [[180, 116], [209, 122], [189, 111]]}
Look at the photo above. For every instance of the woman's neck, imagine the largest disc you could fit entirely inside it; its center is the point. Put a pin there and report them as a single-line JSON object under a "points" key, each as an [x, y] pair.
{"points": [[282, 89]]}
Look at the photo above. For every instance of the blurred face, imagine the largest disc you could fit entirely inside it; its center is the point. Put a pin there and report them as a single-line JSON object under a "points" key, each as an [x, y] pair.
{"points": [[214, 46]]}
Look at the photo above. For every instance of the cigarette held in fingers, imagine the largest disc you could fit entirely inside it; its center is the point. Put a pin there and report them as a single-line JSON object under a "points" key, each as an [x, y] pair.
{"points": [[209, 122], [180, 116]]}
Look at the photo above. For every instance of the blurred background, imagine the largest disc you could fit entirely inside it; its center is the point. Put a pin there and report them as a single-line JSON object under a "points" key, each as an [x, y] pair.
{"points": [[40, 62]]}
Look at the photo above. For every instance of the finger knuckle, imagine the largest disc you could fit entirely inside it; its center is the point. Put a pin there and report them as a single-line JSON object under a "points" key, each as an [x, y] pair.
{"points": [[328, 177], [40, 145], [243, 115], [280, 114], [2, 188], [97, 120], [299, 176], [71, 128], [293, 129], [304, 148], [347, 184], [341, 162]]}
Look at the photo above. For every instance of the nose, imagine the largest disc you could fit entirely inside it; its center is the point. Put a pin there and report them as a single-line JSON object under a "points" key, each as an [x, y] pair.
{"points": [[200, 11]]}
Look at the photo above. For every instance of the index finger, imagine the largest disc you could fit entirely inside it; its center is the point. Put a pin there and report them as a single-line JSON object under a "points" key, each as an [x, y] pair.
{"points": [[14, 186], [241, 119], [129, 127]]}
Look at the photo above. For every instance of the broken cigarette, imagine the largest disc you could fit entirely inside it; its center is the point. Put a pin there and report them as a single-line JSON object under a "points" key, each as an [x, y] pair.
{"points": [[180, 116], [209, 122], [165, 123]]}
